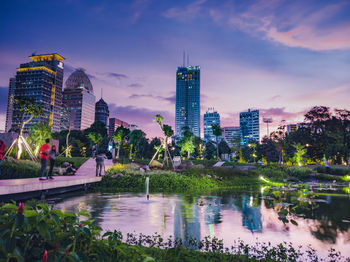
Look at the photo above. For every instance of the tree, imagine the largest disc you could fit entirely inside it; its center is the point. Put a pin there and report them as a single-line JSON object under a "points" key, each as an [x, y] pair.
{"points": [[168, 132], [217, 131], [134, 138], [299, 153], [96, 138], [38, 134], [224, 148], [119, 136], [28, 109], [97, 127], [209, 150], [187, 143]]}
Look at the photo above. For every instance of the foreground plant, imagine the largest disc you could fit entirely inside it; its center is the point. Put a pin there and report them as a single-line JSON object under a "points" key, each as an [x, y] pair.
{"points": [[41, 233]]}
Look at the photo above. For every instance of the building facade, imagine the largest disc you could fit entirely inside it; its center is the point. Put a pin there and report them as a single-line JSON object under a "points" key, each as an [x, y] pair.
{"points": [[79, 102], [210, 118], [10, 104], [41, 81], [249, 126], [101, 112], [231, 134], [187, 109], [114, 123]]}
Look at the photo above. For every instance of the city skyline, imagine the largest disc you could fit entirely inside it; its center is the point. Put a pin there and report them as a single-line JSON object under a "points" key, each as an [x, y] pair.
{"points": [[281, 58]]}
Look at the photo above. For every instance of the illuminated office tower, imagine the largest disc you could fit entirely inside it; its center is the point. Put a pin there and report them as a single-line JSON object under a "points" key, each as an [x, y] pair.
{"points": [[187, 111], [39, 80], [249, 126], [101, 112], [79, 102], [210, 118], [10, 103]]}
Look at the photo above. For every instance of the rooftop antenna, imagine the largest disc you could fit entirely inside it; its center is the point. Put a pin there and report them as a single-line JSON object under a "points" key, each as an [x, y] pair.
{"points": [[101, 92], [183, 59], [188, 60]]}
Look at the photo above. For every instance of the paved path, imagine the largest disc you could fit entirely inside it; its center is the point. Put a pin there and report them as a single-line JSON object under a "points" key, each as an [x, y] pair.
{"points": [[86, 174], [219, 164]]}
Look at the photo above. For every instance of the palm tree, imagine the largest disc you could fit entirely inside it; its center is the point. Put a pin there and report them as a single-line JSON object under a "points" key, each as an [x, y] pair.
{"points": [[217, 131]]}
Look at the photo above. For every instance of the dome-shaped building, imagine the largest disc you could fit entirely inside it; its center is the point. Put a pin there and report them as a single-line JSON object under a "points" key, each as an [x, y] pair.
{"points": [[78, 102]]}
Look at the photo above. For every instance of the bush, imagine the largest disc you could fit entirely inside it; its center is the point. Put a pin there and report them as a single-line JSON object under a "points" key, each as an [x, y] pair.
{"points": [[337, 171], [12, 169]]}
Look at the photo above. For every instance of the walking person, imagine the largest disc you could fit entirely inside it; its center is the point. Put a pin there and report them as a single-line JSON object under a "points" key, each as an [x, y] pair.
{"points": [[100, 158], [44, 156], [2, 152], [94, 149], [52, 157]]}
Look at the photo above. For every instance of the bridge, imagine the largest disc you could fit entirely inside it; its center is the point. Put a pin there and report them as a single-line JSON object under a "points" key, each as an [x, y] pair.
{"points": [[25, 188]]}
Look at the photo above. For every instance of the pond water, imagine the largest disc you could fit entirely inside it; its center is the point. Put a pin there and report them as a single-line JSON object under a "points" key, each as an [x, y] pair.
{"points": [[323, 222]]}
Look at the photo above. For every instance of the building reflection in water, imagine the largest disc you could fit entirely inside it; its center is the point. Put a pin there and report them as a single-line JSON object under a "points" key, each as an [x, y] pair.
{"points": [[251, 214], [186, 222]]}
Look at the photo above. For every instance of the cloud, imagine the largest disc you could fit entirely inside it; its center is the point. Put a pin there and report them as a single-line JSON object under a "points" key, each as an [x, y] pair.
{"points": [[117, 75], [170, 99], [135, 85], [292, 24], [185, 13], [280, 113], [274, 98]]}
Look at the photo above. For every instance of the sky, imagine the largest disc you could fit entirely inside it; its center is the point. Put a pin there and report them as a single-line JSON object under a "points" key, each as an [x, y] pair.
{"points": [[281, 57]]}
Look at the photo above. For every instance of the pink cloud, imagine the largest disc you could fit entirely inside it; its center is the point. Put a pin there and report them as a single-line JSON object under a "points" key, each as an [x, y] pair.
{"points": [[184, 13]]}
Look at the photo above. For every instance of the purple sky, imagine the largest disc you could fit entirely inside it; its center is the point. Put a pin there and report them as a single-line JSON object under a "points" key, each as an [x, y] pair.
{"points": [[281, 57]]}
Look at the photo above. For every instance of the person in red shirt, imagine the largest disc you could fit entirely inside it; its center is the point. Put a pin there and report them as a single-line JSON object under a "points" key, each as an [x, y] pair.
{"points": [[2, 152], [44, 156]]}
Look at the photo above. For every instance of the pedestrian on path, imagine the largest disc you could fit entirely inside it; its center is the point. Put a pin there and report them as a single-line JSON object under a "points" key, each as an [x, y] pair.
{"points": [[52, 157], [100, 164], [44, 156], [94, 149], [2, 152]]}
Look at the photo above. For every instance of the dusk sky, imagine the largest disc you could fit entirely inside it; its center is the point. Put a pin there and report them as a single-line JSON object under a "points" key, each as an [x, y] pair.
{"points": [[281, 57]]}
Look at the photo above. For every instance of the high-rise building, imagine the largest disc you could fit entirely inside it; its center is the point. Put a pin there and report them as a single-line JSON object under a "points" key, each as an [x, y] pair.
{"points": [[79, 102], [187, 100], [114, 123], [249, 126], [101, 111], [40, 80], [211, 117], [10, 103], [231, 134]]}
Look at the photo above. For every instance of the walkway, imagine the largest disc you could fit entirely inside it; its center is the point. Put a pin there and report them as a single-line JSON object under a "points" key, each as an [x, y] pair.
{"points": [[86, 174]]}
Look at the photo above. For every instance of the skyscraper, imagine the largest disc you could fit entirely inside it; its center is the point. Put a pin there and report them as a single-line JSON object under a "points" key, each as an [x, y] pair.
{"points": [[187, 111], [114, 123], [101, 111], [231, 134], [10, 103], [211, 117], [249, 126], [40, 80], [79, 102]]}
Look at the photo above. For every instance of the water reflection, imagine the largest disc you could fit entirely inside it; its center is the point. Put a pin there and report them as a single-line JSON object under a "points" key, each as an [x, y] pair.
{"points": [[227, 216]]}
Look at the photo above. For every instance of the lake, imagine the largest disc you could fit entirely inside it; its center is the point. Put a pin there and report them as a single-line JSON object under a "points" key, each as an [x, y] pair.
{"points": [[250, 215]]}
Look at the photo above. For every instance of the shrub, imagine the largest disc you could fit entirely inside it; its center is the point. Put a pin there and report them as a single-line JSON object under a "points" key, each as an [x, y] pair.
{"points": [[12, 169], [337, 171]]}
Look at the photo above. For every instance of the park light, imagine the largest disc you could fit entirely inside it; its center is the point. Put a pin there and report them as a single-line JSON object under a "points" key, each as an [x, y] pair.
{"points": [[307, 145], [299, 164], [264, 179]]}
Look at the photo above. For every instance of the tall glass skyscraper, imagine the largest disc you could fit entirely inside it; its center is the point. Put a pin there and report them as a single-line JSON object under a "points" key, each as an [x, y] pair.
{"points": [[187, 111], [79, 102], [101, 111], [10, 103], [249, 126], [211, 117], [40, 80]]}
